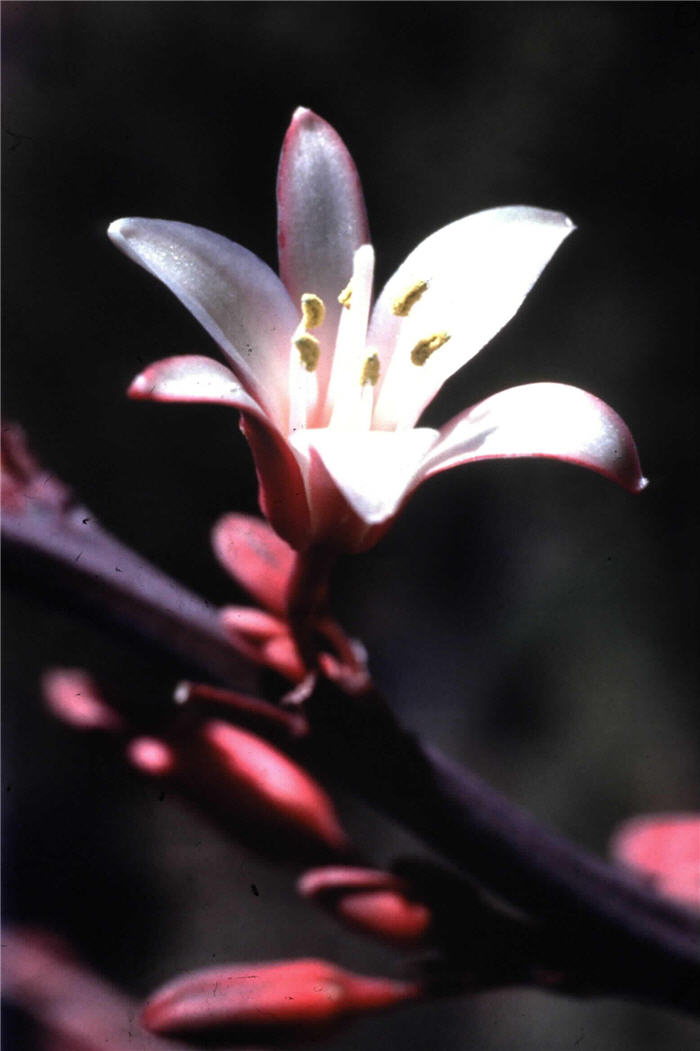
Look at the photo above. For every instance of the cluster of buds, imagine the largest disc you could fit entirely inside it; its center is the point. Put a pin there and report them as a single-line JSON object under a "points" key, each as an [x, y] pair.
{"points": [[260, 795], [266, 566], [250, 788]]}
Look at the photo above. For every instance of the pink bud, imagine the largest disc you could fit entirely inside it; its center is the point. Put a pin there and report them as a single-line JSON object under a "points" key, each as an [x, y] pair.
{"points": [[369, 901], [252, 623], [267, 640], [253, 789], [151, 756], [284, 1000], [667, 849], [255, 557], [74, 697]]}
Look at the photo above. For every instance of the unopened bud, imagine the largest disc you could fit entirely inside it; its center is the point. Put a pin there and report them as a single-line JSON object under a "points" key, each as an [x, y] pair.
{"points": [[252, 789], [666, 849], [254, 624], [369, 901], [257, 559], [268, 1002], [74, 697], [151, 756], [267, 639]]}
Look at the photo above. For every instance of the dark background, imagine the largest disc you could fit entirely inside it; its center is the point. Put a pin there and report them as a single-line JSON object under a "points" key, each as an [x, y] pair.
{"points": [[530, 618]]}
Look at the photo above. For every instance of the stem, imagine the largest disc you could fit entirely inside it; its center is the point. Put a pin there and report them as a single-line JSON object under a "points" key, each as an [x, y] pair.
{"points": [[307, 597], [72, 554]]}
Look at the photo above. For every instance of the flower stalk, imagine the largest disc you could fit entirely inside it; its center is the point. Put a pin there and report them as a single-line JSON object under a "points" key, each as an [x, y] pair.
{"points": [[627, 939]]}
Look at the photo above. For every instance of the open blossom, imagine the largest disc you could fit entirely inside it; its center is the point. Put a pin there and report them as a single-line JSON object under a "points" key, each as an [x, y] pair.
{"points": [[330, 390]]}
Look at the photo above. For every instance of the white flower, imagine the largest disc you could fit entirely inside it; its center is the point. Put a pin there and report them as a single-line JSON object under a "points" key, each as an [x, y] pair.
{"points": [[329, 391]]}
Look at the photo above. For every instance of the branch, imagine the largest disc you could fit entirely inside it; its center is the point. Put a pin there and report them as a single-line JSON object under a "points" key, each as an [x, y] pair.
{"points": [[609, 935]]}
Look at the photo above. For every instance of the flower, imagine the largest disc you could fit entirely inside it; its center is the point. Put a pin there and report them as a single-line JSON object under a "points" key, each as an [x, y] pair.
{"points": [[329, 393]]}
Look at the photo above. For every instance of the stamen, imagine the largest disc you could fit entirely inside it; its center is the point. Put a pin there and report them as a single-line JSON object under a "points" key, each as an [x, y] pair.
{"points": [[309, 351], [345, 297], [370, 370], [313, 310], [402, 304], [425, 347]]}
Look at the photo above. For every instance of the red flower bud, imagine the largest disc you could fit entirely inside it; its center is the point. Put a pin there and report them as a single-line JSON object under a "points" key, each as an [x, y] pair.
{"points": [[74, 697], [152, 756], [251, 788], [270, 1002], [253, 624], [667, 849], [265, 639], [372, 902], [256, 558]]}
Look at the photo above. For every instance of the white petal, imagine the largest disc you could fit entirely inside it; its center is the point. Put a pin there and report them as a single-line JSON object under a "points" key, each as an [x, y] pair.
{"points": [[541, 419], [374, 470], [322, 221], [478, 270], [232, 293], [192, 378]]}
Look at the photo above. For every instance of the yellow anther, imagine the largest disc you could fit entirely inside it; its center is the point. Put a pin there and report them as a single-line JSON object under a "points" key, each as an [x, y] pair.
{"points": [[309, 351], [402, 304], [370, 370], [425, 347], [313, 310], [345, 296]]}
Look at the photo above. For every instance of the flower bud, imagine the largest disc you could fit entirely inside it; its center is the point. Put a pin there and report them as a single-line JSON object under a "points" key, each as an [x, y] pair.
{"points": [[256, 558], [269, 1002], [249, 787], [267, 640], [666, 848], [74, 697], [368, 901]]}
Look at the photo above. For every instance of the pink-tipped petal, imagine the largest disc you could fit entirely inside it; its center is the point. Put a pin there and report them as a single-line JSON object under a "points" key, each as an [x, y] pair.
{"points": [[256, 558], [372, 470], [192, 378], [281, 489], [665, 847], [541, 419], [476, 272], [321, 221], [237, 298]]}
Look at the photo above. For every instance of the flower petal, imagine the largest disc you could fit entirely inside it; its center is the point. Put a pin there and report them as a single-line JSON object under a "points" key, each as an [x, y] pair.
{"points": [[541, 419], [470, 278], [237, 298], [374, 470], [281, 489], [322, 221], [192, 378]]}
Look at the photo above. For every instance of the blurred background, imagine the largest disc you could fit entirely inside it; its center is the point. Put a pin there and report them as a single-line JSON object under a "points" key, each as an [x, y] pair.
{"points": [[530, 618]]}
